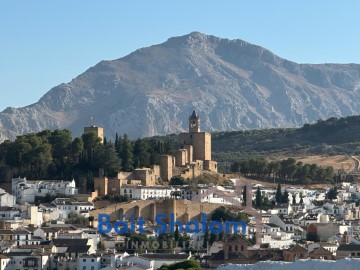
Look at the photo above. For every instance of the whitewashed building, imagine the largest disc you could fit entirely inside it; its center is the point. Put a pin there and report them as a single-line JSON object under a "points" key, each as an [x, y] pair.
{"points": [[146, 192], [89, 262], [6, 199], [9, 213], [26, 191], [65, 206]]}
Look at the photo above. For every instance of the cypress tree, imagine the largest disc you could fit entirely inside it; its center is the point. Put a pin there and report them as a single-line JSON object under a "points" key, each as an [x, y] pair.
{"points": [[285, 197], [279, 195], [258, 200], [127, 154], [244, 196]]}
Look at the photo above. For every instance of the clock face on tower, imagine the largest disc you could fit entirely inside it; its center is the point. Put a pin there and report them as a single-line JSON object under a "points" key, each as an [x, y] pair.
{"points": [[193, 124]]}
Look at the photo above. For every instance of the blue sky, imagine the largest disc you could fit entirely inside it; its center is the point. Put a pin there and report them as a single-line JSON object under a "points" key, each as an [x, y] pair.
{"points": [[45, 43]]}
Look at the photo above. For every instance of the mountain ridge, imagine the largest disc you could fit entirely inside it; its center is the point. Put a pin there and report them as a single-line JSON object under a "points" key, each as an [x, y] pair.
{"points": [[233, 85]]}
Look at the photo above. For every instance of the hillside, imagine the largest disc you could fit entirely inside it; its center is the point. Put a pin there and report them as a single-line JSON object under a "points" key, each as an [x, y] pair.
{"points": [[334, 136], [55, 155], [232, 84]]}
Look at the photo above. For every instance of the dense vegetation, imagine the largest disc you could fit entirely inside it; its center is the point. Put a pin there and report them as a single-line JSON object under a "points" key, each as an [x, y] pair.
{"points": [[284, 170], [55, 155], [332, 136], [188, 264]]}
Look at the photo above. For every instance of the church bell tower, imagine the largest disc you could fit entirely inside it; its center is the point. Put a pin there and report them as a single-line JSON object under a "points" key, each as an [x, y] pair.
{"points": [[194, 123]]}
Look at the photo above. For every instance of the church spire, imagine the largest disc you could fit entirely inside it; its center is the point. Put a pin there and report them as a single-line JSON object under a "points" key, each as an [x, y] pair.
{"points": [[193, 115], [194, 123]]}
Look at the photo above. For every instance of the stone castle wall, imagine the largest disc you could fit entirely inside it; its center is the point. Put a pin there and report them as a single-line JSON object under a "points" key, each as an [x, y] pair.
{"points": [[183, 210]]}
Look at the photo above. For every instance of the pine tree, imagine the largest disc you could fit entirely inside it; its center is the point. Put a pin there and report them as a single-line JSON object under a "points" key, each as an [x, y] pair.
{"points": [[118, 142], [293, 199], [141, 154], [332, 193]]}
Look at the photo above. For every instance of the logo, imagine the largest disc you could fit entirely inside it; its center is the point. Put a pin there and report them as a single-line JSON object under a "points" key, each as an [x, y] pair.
{"points": [[124, 227]]}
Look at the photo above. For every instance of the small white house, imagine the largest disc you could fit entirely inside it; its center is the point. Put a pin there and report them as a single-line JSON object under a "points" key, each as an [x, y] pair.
{"points": [[6, 199]]}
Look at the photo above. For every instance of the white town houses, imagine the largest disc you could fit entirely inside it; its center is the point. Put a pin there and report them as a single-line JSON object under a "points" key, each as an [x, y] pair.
{"points": [[182, 192], [26, 191]]}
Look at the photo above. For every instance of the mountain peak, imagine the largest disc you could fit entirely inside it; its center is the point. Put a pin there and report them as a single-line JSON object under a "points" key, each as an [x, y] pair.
{"points": [[232, 84]]}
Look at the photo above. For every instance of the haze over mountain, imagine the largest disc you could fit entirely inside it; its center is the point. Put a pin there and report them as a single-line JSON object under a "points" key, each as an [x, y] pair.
{"points": [[232, 85]]}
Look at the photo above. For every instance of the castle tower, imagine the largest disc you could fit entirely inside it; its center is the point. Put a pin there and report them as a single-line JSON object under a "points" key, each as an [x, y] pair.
{"points": [[197, 145], [200, 141], [166, 166], [98, 130], [194, 123], [101, 185]]}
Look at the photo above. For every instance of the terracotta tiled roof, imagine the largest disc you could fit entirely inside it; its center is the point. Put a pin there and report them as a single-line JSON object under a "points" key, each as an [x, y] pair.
{"points": [[321, 252], [297, 249]]}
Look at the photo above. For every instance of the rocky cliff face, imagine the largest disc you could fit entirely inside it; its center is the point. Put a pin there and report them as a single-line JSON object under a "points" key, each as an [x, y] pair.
{"points": [[232, 85]]}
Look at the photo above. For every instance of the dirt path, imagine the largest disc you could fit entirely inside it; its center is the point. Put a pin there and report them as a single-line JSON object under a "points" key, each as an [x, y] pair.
{"points": [[356, 169]]}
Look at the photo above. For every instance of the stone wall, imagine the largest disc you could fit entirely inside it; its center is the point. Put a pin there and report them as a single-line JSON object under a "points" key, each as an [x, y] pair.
{"points": [[210, 165], [114, 185], [148, 209]]}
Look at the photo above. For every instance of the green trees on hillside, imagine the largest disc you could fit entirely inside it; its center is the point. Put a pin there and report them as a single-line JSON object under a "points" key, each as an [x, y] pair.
{"points": [[55, 155], [185, 265], [287, 169]]}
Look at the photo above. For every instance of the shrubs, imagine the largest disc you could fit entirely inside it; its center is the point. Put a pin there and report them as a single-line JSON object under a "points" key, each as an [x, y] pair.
{"points": [[186, 265]]}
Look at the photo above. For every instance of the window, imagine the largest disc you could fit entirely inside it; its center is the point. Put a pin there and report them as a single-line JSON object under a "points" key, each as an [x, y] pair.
{"points": [[92, 260], [84, 260]]}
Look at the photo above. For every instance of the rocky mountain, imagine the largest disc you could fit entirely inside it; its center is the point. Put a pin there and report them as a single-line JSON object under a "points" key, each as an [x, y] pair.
{"points": [[232, 85]]}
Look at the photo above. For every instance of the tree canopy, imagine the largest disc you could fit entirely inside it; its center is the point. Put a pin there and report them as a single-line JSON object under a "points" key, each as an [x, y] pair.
{"points": [[56, 155]]}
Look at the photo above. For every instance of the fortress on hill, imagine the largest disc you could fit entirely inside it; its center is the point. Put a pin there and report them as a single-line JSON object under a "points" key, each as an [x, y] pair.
{"points": [[191, 160]]}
